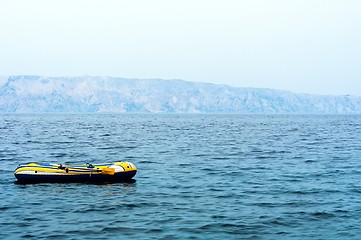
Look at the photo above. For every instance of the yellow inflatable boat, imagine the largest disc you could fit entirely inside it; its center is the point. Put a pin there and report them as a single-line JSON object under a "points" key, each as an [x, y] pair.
{"points": [[40, 172]]}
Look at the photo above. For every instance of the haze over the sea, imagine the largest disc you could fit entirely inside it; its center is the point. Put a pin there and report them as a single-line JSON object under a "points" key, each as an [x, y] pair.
{"points": [[308, 46]]}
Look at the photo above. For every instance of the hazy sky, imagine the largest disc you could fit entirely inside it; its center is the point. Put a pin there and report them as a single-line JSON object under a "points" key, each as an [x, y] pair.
{"points": [[308, 46]]}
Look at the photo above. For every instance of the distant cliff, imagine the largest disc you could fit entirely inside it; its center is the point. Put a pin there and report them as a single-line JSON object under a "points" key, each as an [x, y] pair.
{"points": [[36, 94]]}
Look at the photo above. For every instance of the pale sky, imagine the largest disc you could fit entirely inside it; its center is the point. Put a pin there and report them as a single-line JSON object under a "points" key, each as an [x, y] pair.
{"points": [[305, 46]]}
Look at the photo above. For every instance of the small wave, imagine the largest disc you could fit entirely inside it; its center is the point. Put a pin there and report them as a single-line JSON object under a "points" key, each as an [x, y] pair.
{"points": [[154, 231], [310, 161], [123, 230], [185, 164], [117, 147], [218, 217], [303, 192], [58, 155], [280, 222], [220, 158], [323, 215], [251, 231], [145, 161], [208, 169]]}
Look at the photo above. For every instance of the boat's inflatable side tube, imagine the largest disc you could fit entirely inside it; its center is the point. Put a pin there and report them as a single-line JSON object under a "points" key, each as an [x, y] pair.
{"points": [[34, 172]]}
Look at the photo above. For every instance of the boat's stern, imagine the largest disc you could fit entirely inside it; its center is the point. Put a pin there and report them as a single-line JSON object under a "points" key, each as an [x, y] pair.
{"points": [[34, 172]]}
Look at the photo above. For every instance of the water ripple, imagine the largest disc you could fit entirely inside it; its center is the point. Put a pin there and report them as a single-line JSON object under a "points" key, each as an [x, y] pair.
{"points": [[200, 177]]}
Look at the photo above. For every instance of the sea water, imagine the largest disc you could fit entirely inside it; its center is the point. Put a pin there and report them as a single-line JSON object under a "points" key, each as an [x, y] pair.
{"points": [[199, 176]]}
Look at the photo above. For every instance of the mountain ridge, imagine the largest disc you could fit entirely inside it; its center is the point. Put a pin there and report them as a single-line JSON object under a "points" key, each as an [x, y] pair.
{"points": [[37, 94]]}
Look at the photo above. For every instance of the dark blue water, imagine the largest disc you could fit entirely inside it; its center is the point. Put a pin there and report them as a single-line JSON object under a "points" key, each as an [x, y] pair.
{"points": [[200, 177]]}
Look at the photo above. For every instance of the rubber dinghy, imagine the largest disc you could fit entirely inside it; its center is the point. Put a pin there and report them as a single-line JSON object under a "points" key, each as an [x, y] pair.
{"points": [[40, 172]]}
